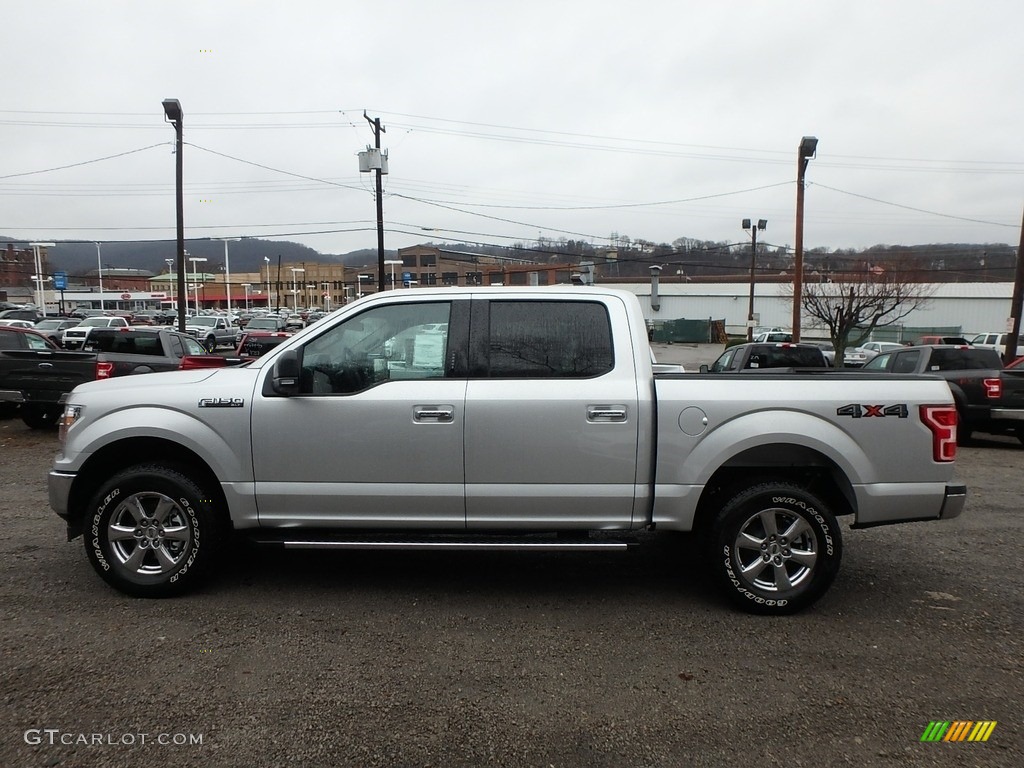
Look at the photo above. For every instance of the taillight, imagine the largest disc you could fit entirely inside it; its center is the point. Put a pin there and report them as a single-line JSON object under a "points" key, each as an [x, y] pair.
{"points": [[993, 388], [941, 420], [104, 370]]}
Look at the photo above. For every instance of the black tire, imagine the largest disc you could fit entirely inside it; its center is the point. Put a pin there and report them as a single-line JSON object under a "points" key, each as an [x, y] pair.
{"points": [[167, 533], [782, 529], [211, 344], [40, 416]]}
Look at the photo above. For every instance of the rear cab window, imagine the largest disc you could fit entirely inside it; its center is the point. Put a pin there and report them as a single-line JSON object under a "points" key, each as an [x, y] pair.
{"points": [[542, 339]]}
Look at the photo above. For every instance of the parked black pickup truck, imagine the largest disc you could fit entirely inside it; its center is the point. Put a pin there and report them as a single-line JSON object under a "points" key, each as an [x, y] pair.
{"points": [[988, 399], [127, 351], [38, 376], [755, 356], [35, 374]]}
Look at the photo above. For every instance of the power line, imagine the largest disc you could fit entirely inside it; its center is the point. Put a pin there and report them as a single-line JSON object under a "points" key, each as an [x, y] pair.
{"points": [[85, 162], [911, 208]]}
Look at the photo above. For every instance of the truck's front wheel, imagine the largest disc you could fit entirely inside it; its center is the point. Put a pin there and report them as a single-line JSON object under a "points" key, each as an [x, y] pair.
{"points": [[776, 548], [211, 344], [152, 532]]}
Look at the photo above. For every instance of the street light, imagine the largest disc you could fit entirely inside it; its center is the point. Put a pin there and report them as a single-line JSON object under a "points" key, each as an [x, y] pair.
{"points": [[359, 295], [227, 266], [195, 277], [246, 287], [392, 263], [40, 296], [808, 147], [266, 260], [761, 224], [172, 109], [295, 289], [99, 269]]}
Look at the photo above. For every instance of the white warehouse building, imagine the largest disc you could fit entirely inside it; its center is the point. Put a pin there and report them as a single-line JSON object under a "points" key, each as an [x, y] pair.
{"points": [[970, 307]]}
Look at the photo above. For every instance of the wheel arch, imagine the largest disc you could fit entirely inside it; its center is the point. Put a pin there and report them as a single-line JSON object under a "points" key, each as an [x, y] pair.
{"points": [[109, 460], [776, 462]]}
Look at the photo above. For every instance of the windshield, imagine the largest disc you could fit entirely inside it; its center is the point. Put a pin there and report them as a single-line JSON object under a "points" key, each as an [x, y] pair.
{"points": [[208, 322]]}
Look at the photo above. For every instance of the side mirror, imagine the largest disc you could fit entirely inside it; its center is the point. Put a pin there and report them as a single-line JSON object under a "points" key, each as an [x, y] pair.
{"points": [[284, 378], [704, 368]]}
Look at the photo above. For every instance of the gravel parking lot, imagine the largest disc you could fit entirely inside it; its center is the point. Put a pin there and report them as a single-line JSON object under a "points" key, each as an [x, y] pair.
{"points": [[515, 659]]}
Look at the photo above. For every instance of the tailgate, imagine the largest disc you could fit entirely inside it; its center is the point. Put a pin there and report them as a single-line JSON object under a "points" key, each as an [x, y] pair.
{"points": [[44, 376]]}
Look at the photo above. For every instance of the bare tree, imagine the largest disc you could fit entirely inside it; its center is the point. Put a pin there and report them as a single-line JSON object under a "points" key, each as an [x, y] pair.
{"points": [[853, 304]]}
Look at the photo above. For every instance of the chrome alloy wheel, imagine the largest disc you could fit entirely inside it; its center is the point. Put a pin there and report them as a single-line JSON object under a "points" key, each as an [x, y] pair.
{"points": [[149, 533], [775, 550]]}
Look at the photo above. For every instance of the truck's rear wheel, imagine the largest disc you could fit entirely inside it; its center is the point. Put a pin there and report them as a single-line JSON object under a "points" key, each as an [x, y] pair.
{"points": [[153, 532], [776, 548], [40, 416]]}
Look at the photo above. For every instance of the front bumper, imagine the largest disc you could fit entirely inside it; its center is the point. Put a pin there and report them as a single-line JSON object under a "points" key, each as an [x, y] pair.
{"points": [[58, 485]]}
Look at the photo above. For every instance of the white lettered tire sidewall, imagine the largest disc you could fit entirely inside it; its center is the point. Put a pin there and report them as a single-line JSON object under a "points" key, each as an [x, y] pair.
{"points": [[158, 502], [762, 570]]}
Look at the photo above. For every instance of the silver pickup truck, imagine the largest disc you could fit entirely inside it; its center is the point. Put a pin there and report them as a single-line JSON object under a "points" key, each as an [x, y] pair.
{"points": [[211, 331], [497, 418]]}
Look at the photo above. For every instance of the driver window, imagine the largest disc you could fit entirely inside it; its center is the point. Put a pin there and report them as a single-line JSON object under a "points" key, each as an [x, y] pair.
{"points": [[398, 341]]}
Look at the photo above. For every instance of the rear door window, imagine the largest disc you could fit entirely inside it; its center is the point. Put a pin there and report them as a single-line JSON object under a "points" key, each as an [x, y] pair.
{"points": [[548, 339]]}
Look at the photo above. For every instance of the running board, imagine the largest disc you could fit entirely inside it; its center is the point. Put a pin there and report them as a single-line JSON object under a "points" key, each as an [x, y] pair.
{"points": [[450, 545]]}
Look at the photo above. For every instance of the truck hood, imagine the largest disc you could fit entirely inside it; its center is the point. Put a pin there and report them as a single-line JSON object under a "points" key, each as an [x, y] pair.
{"points": [[145, 386]]}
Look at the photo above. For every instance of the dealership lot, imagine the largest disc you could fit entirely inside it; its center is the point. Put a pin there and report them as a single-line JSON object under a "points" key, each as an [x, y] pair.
{"points": [[514, 659]]}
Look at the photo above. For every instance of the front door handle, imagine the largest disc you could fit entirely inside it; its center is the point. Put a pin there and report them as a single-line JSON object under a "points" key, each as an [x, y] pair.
{"points": [[606, 413], [442, 414]]}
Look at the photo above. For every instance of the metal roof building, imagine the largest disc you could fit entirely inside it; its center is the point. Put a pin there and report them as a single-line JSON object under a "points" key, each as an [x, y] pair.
{"points": [[970, 307]]}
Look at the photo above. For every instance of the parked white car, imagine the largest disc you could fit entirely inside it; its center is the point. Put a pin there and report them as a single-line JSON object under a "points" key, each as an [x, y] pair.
{"points": [[996, 341]]}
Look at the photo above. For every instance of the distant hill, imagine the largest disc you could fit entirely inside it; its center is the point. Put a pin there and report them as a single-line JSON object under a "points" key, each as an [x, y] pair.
{"points": [[246, 255]]}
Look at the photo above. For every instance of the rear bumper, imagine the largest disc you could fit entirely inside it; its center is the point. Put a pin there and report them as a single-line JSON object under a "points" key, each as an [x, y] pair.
{"points": [[12, 396], [953, 504], [891, 503], [32, 396], [1007, 414]]}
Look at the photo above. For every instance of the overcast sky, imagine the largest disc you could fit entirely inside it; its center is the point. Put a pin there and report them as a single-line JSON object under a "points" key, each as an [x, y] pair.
{"points": [[510, 121]]}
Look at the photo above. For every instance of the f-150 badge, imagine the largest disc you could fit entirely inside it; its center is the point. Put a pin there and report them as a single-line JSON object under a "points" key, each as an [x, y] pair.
{"points": [[222, 402]]}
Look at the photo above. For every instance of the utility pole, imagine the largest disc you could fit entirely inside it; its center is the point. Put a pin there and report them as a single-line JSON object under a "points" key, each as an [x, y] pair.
{"points": [[808, 147], [1016, 302], [378, 129], [753, 227]]}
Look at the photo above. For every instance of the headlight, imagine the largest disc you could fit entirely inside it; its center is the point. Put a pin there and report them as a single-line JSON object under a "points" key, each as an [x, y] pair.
{"points": [[72, 413]]}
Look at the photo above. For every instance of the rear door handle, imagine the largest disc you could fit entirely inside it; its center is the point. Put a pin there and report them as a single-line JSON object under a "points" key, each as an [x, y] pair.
{"points": [[442, 414], [606, 413]]}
